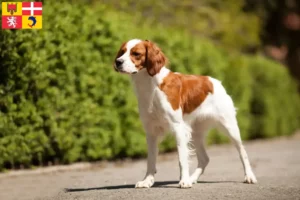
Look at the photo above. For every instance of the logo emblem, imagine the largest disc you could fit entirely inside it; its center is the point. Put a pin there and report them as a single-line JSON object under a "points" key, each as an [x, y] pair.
{"points": [[12, 22], [33, 19], [21, 15], [12, 8]]}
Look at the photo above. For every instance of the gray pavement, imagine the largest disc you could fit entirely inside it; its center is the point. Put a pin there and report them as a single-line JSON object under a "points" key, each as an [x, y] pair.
{"points": [[275, 162]]}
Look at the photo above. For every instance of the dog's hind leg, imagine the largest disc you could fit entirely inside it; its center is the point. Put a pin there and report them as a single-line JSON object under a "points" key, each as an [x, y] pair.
{"points": [[198, 140], [229, 125]]}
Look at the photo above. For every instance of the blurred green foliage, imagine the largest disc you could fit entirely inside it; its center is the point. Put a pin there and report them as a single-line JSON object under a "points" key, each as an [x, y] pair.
{"points": [[224, 22], [61, 101]]}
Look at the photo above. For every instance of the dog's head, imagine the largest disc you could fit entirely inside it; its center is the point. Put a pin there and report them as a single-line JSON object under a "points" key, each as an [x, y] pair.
{"points": [[136, 55]]}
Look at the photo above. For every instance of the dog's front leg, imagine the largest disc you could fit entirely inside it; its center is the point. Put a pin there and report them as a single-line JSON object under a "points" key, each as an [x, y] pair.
{"points": [[183, 136], [151, 161]]}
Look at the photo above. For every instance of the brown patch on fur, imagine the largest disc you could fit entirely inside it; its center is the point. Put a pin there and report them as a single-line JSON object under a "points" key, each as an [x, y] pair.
{"points": [[121, 51], [155, 58], [138, 55], [171, 86], [147, 55], [186, 91]]}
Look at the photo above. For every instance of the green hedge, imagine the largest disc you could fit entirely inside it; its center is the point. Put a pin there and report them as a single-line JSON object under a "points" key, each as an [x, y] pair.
{"points": [[212, 19], [61, 101], [273, 111]]}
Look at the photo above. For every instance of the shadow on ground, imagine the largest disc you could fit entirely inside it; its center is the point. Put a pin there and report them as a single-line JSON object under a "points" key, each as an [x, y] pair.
{"points": [[163, 184]]}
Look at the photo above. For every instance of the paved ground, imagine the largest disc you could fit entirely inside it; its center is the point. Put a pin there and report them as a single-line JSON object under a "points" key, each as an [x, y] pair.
{"points": [[275, 162]]}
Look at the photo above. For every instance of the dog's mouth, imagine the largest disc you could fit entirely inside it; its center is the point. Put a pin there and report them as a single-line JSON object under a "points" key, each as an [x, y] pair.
{"points": [[124, 72]]}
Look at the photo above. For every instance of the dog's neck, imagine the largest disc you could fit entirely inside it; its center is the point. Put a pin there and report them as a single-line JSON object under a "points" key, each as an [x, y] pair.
{"points": [[143, 79], [145, 86]]}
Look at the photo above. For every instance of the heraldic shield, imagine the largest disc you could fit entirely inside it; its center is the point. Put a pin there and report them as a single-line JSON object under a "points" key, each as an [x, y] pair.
{"points": [[22, 15]]}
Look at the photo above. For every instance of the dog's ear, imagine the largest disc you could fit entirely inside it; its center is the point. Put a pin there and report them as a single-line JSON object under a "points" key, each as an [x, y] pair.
{"points": [[155, 59]]}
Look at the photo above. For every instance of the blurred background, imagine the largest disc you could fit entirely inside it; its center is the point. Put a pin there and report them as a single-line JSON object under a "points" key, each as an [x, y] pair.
{"points": [[62, 102]]}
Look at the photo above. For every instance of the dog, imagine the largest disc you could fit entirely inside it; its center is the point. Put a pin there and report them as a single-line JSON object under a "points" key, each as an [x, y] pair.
{"points": [[185, 105]]}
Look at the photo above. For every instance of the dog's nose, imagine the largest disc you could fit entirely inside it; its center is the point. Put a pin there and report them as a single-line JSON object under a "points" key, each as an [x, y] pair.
{"points": [[119, 62]]}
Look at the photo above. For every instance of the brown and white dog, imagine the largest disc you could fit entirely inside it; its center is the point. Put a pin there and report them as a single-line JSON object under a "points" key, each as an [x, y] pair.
{"points": [[186, 105]]}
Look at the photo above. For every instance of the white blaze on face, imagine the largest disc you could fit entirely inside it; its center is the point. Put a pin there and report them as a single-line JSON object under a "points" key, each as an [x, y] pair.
{"points": [[128, 66]]}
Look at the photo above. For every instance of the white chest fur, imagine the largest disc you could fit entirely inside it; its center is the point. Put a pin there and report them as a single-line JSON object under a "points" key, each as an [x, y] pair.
{"points": [[153, 103]]}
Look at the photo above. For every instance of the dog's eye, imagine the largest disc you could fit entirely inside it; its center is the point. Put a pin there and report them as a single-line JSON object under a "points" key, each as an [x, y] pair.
{"points": [[136, 53], [121, 52]]}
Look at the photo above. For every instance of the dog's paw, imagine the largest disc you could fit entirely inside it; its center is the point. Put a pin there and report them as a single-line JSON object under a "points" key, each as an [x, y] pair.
{"points": [[250, 178], [194, 179], [147, 183], [185, 183]]}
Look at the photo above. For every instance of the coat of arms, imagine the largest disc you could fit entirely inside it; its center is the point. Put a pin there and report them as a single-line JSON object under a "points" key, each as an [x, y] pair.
{"points": [[11, 7]]}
